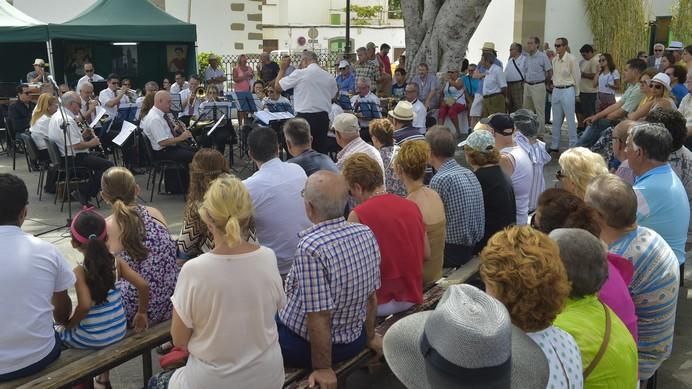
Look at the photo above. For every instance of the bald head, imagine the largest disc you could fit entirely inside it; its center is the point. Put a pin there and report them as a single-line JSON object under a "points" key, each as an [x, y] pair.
{"points": [[327, 194], [162, 101]]}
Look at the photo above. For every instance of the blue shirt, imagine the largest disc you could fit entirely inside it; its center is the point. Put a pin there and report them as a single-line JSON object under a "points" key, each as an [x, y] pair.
{"points": [[462, 196], [662, 205], [679, 91], [312, 161], [346, 84], [472, 85]]}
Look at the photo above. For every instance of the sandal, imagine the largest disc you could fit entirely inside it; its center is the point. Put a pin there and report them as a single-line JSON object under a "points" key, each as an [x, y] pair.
{"points": [[102, 384]]}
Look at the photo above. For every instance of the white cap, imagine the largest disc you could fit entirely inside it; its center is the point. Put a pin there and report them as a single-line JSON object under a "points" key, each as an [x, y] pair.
{"points": [[343, 64]]}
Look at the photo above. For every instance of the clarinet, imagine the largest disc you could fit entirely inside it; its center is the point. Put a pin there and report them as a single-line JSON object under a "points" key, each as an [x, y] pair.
{"points": [[191, 140], [88, 134]]}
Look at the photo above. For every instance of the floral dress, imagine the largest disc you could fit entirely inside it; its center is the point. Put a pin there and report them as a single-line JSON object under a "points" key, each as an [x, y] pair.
{"points": [[392, 183], [159, 269]]}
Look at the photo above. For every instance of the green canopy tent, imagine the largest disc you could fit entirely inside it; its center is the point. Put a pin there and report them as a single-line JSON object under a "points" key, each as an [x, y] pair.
{"points": [[132, 37], [22, 38]]}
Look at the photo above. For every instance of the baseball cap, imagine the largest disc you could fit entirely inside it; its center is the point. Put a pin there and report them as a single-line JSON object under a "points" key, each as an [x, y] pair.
{"points": [[500, 122], [480, 140], [343, 64]]}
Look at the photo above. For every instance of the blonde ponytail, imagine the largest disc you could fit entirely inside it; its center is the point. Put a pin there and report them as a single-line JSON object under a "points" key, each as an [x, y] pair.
{"points": [[232, 231], [228, 207]]}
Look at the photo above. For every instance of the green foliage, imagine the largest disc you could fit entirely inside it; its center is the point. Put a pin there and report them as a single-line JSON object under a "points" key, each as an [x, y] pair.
{"points": [[365, 13], [680, 26], [203, 61], [619, 27]]}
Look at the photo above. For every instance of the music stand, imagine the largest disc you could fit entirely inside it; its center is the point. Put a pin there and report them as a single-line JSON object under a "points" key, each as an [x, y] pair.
{"points": [[176, 103], [245, 101], [279, 107], [345, 103], [99, 86], [214, 110], [369, 110], [127, 112]]}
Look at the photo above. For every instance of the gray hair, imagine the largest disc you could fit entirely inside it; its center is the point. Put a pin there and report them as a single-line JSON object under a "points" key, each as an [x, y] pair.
{"points": [[153, 85], [328, 194], [661, 45], [654, 139], [71, 97], [414, 86], [87, 83], [364, 80], [310, 56], [614, 199], [585, 260], [297, 131], [361, 50], [526, 122]]}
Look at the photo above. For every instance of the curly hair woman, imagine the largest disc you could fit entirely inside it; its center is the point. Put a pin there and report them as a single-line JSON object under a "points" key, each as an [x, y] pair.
{"points": [[520, 267]]}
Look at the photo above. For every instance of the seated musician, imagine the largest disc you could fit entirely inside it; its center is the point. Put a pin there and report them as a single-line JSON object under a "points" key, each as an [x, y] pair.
{"points": [[189, 100], [167, 139], [224, 133], [19, 112], [274, 102], [88, 102], [130, 94], [329, 315], [39, 74], [363, 114], [150, 89], [259, 91], [76, 149], [110, 99]]}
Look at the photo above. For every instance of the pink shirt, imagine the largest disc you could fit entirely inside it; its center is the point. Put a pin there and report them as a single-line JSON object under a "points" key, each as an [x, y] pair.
{"points": [[615, 292]]}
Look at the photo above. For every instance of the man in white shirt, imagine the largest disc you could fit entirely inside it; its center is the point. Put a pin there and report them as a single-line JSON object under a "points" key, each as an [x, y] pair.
{"points": [[77, 148], [494, 86], [214, 75], [348, 137], [189, 100], [515, 77], [538, 71], [655, 60], [566, 80], [88, 102], [180, 84], [589, 68], [366, 107], [275, 190], [111, 96], [411, 94], [89, 75], [314, 89], [33, 282]]}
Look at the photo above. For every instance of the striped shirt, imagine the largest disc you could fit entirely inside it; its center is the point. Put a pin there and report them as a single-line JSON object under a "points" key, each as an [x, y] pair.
{"points": [[104, 325], [462, 197], [654, 290], [358, 145], [336, 269], [539, 158]]}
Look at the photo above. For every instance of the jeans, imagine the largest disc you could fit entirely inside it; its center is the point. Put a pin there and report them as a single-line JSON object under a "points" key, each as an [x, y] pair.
{"points": [[457, 255], [296, 350], [36, 367], [563, 107], [593, 132]]}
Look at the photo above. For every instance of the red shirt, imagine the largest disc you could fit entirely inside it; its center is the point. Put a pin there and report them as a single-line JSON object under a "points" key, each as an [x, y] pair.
{"points": [[398, 227], [385, 61]]}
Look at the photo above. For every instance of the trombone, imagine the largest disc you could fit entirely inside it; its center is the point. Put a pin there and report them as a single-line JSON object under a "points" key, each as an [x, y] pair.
{"points": [[200, 93]]}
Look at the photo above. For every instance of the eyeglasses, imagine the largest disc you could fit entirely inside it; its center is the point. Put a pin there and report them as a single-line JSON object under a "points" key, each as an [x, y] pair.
{"points": [[658, 50], [88, 70], [655, 85], [559, 176], [558, 45]]}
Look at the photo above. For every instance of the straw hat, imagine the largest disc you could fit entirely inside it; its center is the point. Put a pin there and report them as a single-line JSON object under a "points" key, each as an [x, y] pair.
{"points": [[39, 62], [468, 341], [403, 111], [488, 46], [663, 79]]}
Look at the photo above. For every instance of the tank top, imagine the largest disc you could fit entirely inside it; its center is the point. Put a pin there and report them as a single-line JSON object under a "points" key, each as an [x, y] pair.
{"points": [[432, 268], [398, 227], [522, 177]]}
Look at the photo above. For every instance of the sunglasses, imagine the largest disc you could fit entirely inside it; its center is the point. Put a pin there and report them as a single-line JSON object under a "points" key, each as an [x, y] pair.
{"points": [[89, 70], [558, 45], [559, 176], [655, 85], [658, 50]]}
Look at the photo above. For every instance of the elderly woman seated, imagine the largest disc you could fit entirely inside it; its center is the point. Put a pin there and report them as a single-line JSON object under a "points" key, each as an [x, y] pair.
{"points": [[608, 351], [520, 269], [558, 208], [578, 166]]}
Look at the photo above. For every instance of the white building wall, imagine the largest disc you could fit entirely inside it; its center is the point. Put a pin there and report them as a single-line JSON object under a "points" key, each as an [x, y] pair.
{"points": [[567, 19], [662, 7], [496, 26], [288, 36]]}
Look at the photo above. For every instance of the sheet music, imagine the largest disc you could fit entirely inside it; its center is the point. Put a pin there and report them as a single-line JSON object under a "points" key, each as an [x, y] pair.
{"points": [[127, 130], [100, 111], [216, 124], [266, 117]]}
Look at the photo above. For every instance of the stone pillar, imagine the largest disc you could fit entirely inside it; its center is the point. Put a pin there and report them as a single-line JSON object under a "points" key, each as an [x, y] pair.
{"points": [[529, 20]]}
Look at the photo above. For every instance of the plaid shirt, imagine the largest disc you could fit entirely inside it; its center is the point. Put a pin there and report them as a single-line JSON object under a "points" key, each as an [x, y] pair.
{"points": [[336, 268], [462, 197], [368, 70]]}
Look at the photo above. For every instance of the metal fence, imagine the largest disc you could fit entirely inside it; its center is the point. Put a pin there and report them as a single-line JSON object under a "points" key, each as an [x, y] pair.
{"points": [[328, 60]]}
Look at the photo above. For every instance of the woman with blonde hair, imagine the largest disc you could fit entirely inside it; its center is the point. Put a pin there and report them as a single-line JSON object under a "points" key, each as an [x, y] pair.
{"points": [[45, 108], [195, 238], [382, 135], [139, 235], [657, 93], [234, 287], [578, 166], [410, 164], [520, 267]]}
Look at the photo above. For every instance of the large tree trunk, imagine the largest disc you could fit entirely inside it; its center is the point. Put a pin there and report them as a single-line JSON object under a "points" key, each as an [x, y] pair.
{"points": [[438, 31]]}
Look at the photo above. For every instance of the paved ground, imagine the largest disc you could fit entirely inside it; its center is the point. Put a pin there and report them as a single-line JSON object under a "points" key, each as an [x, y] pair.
{"points": [[44, 216]]}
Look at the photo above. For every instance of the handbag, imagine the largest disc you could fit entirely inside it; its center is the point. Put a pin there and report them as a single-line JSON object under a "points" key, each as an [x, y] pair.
{"points": [[604, 345], [175, 358]]}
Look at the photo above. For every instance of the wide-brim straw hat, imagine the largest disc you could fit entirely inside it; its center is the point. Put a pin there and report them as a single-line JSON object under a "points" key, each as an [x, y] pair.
{"points": [[403, 111]]}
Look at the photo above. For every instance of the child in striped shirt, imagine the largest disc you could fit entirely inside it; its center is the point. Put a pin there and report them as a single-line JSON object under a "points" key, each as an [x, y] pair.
{"points": [[99, 319]]}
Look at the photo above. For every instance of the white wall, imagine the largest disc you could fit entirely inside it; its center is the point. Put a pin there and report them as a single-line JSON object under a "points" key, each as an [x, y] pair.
{"points": [[287, 36], [496, 26], [662, 7], [567, 19], [53, 11]]}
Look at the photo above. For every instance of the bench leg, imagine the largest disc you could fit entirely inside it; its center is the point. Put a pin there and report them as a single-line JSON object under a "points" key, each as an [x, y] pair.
{"points": [[146, 367]]}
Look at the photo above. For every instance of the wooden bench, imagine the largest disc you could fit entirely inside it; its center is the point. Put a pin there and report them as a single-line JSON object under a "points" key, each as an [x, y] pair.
{"points": [[74, 364], [297, 378]]}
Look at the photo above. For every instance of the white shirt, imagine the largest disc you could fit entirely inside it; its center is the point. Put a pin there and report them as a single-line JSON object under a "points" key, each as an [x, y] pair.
{"points": [[32, 270], [210, 73], [189, 110], [175, 88], [607, 79], [106, 95], [313, 91], [39, 132], [279, 210], [494, 81], [685, 108], [74, 133], [93, 78], [369, 98], [421, 113], [511, 72], [217, 292], [522, 179], [156, 128]]}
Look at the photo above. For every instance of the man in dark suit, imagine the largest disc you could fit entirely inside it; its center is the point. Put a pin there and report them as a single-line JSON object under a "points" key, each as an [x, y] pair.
{"points": [[19, 112], [655, 60]]}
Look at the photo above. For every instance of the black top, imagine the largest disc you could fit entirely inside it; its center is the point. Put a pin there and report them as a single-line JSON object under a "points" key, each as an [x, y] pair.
{"points": [[312, 161], [498, 198], [269, 72], [20, 115]]}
